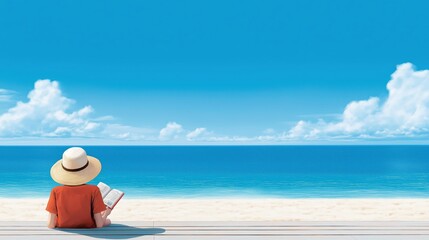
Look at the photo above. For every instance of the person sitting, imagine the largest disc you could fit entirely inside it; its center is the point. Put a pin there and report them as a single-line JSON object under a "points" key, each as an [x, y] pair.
{"points": [[76, 204]]}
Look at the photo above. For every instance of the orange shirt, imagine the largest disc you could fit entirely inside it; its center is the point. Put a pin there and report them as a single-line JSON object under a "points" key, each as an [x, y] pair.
{"points": [[75, 205]]}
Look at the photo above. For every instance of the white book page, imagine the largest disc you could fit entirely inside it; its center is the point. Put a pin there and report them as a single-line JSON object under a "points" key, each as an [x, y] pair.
{"points": [[112, 197], [104, 189]]}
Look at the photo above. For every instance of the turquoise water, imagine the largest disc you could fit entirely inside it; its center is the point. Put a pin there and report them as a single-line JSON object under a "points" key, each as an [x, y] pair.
{"points": [[232, 171]]}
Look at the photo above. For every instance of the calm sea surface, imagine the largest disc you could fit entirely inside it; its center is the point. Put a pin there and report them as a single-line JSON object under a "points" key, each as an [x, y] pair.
{"points": [[232, 171]]}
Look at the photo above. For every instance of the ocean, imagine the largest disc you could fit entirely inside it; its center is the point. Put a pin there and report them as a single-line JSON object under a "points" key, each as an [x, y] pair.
{"points": [[231, 171]]}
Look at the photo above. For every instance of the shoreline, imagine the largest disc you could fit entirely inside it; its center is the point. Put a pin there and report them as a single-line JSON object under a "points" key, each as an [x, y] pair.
{"points": [[239, 209]]}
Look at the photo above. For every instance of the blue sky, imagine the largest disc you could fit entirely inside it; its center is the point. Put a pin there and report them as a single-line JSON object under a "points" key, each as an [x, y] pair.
{"points": [[242, 72]]}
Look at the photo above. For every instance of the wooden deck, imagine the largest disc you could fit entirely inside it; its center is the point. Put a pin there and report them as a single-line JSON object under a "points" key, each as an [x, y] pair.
{"points": [[224, 230]]}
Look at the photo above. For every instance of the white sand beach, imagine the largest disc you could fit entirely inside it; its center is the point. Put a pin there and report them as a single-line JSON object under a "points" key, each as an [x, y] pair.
{"points": [[26, 209]]}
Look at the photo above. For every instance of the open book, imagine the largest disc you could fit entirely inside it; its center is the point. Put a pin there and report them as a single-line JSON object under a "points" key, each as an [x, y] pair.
{"points": [[110, 196]]}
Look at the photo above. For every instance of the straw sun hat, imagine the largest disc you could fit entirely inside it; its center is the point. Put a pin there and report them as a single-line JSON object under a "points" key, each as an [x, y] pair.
{"points": [[75, 168]]}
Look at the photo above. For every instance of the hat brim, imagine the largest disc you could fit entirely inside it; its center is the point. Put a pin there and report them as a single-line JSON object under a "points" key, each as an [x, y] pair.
{"points": [[61, 176]]}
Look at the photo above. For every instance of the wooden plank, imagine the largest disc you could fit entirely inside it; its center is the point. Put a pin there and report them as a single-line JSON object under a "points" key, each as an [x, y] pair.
{"points": [[73, 237], [162, 237], [225, 230]]}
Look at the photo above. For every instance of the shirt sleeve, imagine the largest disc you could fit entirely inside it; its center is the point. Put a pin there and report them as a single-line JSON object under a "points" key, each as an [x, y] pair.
{"points": [[52, 203], [97, 203]]}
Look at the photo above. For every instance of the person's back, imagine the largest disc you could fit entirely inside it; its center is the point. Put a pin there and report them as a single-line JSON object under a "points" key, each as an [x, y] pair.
{"points": [[75, 205]]}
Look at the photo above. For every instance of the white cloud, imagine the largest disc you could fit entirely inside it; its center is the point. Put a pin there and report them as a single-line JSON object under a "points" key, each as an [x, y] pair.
{"points": [[43, 114], [47, 114], [104, 118], [124, 132], [405, 112], [6, 95], [196, 133], [269, 131], [170, 131], [231, 139]]}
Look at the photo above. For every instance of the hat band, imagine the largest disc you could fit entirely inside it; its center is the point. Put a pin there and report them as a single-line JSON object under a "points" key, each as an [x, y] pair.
{"points": [[76, 169]]}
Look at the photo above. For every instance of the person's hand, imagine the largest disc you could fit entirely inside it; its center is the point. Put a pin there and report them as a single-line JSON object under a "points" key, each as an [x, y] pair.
{"points": [[106, 212]]}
